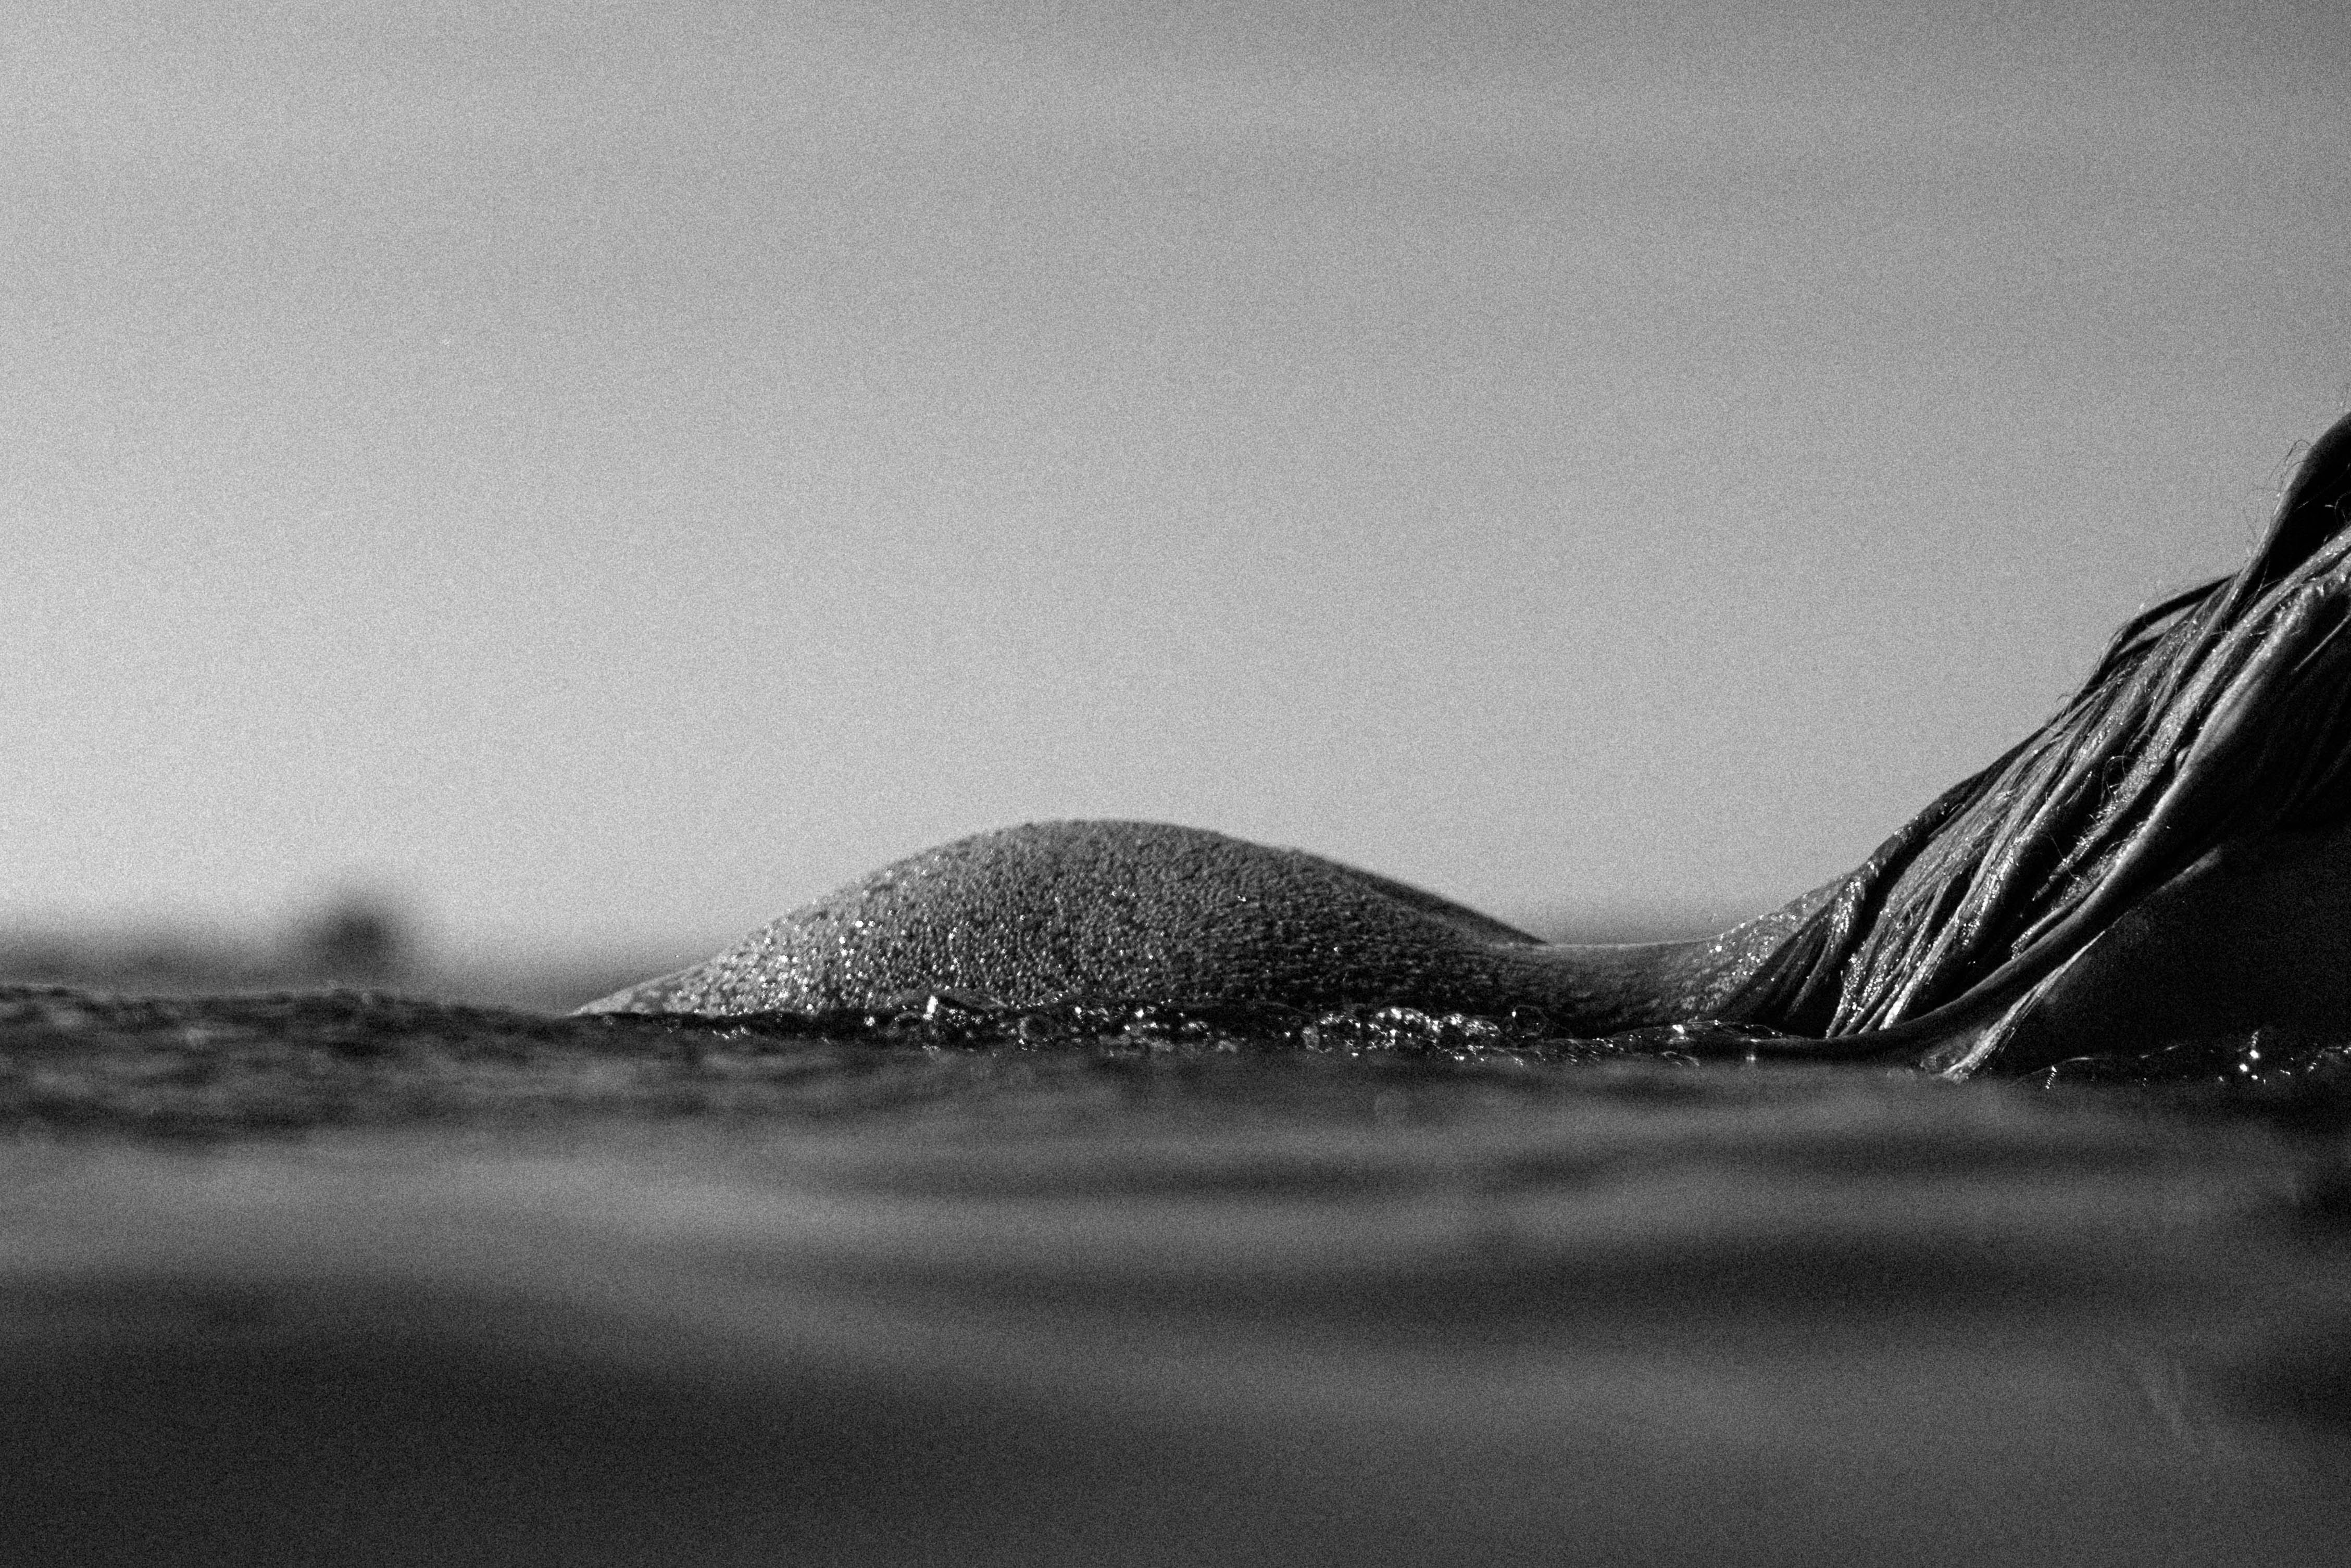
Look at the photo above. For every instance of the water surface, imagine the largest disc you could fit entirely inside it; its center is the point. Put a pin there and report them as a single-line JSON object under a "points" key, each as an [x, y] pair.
{"points": [[342, 1290]]}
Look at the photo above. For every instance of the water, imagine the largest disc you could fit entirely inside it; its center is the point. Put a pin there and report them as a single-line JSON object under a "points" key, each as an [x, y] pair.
{"points": [[342, 1281]]}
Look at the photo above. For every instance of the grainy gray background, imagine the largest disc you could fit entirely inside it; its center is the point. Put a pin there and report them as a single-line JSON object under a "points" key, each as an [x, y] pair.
{"points": [[609, 472]]}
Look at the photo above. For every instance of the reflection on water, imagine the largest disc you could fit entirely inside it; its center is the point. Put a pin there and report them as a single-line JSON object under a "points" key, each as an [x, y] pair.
{"points": [[1165, 1302]]}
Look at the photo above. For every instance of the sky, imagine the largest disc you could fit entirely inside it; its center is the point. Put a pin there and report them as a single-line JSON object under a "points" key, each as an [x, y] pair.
{"points": [[604, 473]]}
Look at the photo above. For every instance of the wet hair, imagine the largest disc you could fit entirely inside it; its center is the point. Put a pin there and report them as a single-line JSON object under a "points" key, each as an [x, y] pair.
{"points": [[2221, 714]]}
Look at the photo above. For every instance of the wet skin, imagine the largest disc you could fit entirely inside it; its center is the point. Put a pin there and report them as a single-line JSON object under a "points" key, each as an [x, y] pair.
{"points": [[2166, 860], [2255, 937], [1051, 911]]}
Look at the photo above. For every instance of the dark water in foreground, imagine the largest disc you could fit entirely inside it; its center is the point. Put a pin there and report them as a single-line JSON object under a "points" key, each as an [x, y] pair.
{"points": [[330, 1282]]}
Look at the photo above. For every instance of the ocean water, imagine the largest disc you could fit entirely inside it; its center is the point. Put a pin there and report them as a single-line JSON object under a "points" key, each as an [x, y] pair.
{"points": [[857, 1304]]}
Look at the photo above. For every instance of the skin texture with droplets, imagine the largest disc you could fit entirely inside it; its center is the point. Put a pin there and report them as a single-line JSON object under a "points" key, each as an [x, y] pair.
{"points": [[2162, 858], [1143, 910]]}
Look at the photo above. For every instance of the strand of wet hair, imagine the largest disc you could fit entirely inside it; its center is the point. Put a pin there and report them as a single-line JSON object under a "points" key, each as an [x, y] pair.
{"points": [[2221, 712]]}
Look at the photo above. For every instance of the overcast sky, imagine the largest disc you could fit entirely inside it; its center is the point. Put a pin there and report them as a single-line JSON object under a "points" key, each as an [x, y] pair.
{"points": [[611, 472]]}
